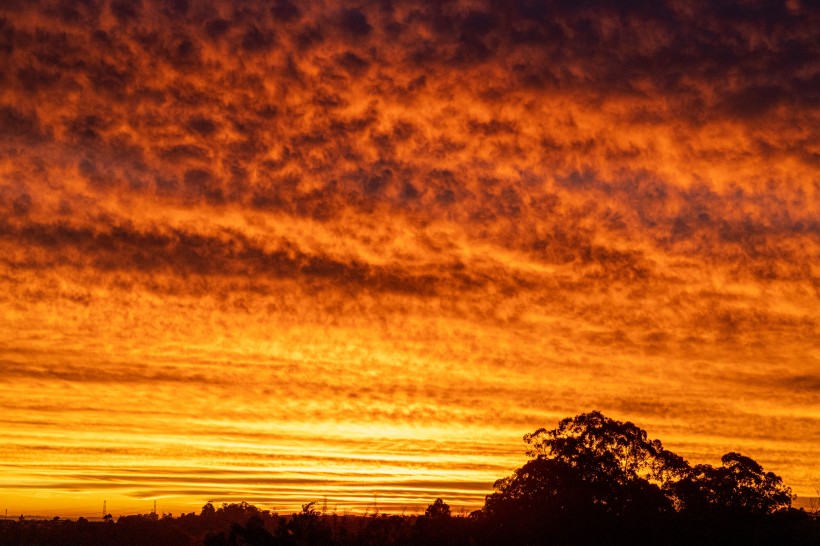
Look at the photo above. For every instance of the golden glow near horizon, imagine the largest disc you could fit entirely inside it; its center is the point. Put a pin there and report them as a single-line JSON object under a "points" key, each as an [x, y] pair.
{"points": [[273, 253]]}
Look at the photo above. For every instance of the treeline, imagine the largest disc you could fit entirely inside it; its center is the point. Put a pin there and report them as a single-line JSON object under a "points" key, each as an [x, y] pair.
{"points": [[591, 480]]}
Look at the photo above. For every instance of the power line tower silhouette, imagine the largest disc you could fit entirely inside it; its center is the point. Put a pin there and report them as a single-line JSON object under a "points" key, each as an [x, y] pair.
{"points": [[103, 516], [154, 511]]}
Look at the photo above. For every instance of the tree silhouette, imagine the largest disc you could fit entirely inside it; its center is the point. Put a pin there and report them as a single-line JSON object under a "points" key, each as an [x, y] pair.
{"points": [[437, 527], [208, 511], [610, 464], [307, 527], [740, 485], [438, 510], [593, 479]]}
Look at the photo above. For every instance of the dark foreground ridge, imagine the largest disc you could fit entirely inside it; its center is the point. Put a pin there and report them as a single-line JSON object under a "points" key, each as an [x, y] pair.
{"points": [[590, 480]]}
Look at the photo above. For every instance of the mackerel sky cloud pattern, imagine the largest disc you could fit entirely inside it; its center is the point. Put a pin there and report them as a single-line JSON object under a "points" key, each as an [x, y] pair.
{"points": [[274, 251]]}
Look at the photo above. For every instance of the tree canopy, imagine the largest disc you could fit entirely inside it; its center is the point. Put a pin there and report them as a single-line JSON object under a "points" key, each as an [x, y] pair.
{"points": [[739, 485], [601, 471], [438, 510]]}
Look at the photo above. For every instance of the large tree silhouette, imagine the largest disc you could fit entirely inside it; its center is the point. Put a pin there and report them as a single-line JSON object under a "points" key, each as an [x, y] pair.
{"points": [[594, 478], [740, 485]]}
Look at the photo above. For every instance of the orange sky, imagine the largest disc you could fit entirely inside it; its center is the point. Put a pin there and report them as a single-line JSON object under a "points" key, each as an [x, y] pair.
{"points": [[273, 253]]}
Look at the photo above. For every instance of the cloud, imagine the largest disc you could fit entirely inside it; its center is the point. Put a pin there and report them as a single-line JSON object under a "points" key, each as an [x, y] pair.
{"points": [[354, 23]]}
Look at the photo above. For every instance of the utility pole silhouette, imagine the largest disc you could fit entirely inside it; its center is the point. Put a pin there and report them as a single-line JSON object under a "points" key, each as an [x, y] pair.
{"points": [[103, 516], [155, 508]]}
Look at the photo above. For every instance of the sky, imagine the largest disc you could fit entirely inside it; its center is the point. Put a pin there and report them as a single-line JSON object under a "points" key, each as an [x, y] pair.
{"points": [[280, 251]]}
